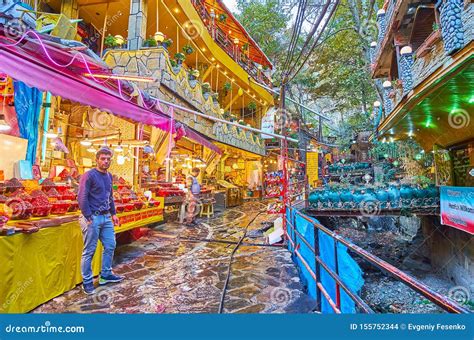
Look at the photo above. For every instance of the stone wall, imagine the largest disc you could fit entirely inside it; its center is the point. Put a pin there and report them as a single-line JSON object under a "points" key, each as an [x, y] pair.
{"points": [[437, 57], [452, 251], [468, 23], [173, 85]]}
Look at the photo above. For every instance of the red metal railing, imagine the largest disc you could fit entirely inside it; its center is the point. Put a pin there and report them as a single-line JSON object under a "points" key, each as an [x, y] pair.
{"points": [[295, 239], [223, 40]]}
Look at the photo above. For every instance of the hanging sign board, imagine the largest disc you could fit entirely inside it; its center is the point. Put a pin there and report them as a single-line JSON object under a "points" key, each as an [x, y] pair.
{"points": [[457, 208], [312, 167], [268, 122]]}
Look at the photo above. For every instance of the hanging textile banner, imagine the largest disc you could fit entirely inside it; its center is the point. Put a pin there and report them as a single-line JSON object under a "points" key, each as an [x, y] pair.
{"points": [[268, 122], [28, 105], [457, 208], [312, 168]]}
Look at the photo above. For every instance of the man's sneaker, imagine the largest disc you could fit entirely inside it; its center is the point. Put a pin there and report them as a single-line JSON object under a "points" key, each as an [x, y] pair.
{"points": [[112, 278], [88, 288]]}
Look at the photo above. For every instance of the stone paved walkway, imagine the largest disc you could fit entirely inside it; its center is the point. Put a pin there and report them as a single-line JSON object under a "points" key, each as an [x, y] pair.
{"points": [[171, 270]]}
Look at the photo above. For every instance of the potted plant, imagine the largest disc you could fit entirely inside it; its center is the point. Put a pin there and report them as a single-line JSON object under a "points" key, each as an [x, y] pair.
{"points": [[110, 41], [180, 57], [252, 106], [175, 66], [245, 47], [215, 97], [188, 49], [226, 88], [150, 42], [193, 74], [206, 90], [223, 17], [167, 43]]}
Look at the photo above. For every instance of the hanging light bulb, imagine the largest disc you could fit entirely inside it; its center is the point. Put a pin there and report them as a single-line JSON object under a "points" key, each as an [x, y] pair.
{"points": [[120, 160], [86, 142], [3, 124], [159, 37], [51, 133], [118, 148]]}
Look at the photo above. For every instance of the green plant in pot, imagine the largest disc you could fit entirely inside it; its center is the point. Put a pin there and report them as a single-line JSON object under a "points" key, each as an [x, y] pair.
{"points": [[215, 97], [167, 43], [188, 49], [150, 42], [206, 88], [227, 88], [110, 41], [193, 74], [180, 57], [252, 106]]}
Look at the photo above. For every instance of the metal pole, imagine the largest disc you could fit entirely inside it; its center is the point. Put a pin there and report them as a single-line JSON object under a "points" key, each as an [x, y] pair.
{"points": [[103, 29]]}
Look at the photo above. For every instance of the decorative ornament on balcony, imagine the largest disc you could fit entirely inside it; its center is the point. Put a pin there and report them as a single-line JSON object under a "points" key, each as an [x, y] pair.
{"points": [[406, 68], [452, 25], [159, 37], [382, 24], [119, 39], [212, 14], [388, 106]]}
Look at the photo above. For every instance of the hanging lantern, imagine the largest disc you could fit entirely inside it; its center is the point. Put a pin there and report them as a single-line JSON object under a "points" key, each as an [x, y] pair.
{"points": [[119, 39], [240, 92], [159, 37]]}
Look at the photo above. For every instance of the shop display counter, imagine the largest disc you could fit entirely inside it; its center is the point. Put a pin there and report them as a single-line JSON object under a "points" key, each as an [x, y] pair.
{"points": [[40, 266]]}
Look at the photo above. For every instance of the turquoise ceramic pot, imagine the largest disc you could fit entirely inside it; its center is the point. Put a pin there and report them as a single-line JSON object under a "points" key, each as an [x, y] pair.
{"points": [[406, 192], [346, 196], [382, 195], [334, 197]]}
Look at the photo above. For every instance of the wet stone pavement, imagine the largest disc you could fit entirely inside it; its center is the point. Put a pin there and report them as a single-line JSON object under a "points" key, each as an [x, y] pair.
{"points": [[172, 269]]}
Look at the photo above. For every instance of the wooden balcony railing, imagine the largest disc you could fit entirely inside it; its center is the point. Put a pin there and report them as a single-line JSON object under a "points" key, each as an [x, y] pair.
{"points": [[224, 41]]}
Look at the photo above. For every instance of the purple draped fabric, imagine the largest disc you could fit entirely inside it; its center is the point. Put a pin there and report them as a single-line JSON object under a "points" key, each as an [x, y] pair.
{"points": [[195, 136], [75, 87]]}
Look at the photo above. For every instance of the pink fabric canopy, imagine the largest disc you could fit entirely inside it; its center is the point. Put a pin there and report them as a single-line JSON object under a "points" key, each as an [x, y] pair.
{"points": [[40, 61], [39, 73]]}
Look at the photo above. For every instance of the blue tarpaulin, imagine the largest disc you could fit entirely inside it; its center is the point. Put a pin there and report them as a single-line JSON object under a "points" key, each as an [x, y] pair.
{"points": [[27, 106], [349, 271]]}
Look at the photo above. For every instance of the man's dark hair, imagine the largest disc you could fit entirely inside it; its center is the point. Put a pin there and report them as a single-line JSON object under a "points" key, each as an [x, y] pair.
{"points": [[103, 151], [196, 170]]}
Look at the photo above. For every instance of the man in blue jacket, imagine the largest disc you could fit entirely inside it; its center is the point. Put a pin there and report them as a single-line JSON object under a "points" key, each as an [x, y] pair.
{"points": [[97, 220]]}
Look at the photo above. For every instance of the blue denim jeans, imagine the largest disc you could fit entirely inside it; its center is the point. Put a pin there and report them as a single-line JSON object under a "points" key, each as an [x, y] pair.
{"points": [[101, 228]]}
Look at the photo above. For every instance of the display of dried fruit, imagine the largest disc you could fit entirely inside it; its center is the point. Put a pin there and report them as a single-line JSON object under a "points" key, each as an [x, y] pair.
{"points": [[129, 207], [60, 207], [3, 198], [138, 204], [2, 188], [120, 208], [13, 185], [117, 197], [74, 207], [53, 194], [21, 210], [48, 184], [68, 195], [5, 210], [21, 194], [41, 206], [38, 193], [31, 185]]}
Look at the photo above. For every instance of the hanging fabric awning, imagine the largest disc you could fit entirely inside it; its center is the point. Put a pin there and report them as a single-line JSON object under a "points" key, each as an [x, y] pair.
{"points": [[200, 139], [52, 67]]}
